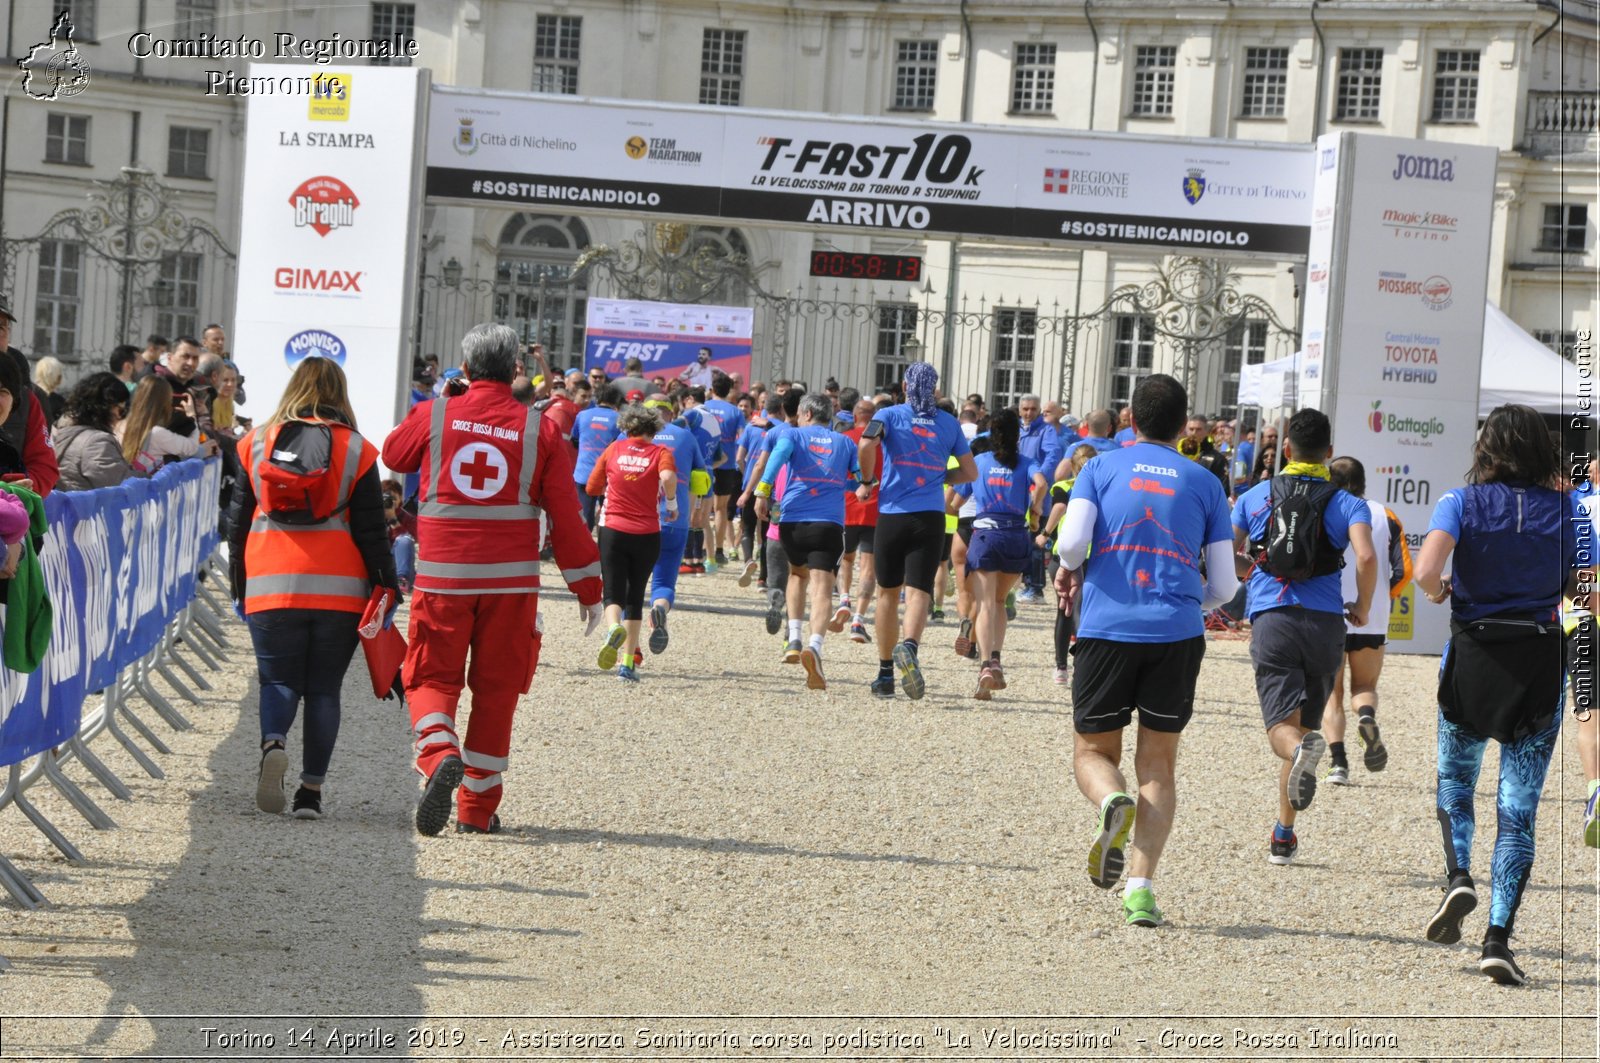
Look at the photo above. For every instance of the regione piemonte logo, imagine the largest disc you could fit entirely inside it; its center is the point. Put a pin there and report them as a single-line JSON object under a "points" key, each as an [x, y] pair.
{"points": [[324, 204], [313, 343]]}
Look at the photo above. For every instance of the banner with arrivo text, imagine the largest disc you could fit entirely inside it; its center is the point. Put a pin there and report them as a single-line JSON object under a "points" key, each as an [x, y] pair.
{"points": [[667, 338], [1401, 321], [327, 245]]}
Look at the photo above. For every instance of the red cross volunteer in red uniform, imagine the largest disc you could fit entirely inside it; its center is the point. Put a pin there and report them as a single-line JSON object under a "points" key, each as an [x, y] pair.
{"points": [[491, 469]]}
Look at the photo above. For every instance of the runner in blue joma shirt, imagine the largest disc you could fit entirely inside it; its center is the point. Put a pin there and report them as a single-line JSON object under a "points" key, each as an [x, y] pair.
{"points": [[693, 479], [593, 431]]}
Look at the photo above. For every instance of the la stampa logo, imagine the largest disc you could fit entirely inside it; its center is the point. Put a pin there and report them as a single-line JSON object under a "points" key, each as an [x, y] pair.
{"points": [[54, 69]]}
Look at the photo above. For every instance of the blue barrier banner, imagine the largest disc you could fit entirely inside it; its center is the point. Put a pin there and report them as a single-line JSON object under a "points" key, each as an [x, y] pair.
{"points": [[120, 563]]}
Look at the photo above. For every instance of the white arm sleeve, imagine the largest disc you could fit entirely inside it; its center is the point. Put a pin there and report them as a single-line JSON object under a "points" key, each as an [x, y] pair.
{"points": [[1222, 582], [1076, 532]]}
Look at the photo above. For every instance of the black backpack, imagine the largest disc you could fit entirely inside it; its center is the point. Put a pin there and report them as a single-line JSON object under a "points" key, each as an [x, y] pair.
{"points": [[1295, 546]]}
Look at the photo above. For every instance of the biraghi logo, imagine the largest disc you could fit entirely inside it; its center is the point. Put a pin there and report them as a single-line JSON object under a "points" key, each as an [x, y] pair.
{"points": [[1423, 168], [324, 204]]}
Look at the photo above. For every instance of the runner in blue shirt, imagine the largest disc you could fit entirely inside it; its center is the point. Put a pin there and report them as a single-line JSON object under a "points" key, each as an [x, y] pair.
{"points": [[751, 532], [1297, 626], [693, 479], [725, 474], [1007, 487], [593, 431], [918, 441], [707, 431], [822, 466], [1138, 526], [1126, 434]]}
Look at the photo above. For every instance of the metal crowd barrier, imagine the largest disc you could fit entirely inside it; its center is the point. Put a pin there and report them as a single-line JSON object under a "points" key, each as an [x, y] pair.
{"points": [[197, 630]]}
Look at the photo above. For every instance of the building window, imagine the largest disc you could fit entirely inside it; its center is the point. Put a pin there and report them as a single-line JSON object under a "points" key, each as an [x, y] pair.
{"points": [[196, 17], [1455, 86], [180, 279], [60, 296], [1033, 79], [1015, 332], [722, 67], [66, 139], [555, 54], [1566, 227], [897, 326], [1133, 355], [82, 14], [916, 66], [1360, 85], [394, 22], [1266, 81], [1563, 343], [188, 152], [1155, 68], [1245, 344], [534, 291]]}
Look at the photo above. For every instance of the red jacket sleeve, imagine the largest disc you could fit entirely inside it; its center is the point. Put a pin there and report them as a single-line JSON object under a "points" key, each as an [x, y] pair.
{"points": [[407, 445], [576, 553], [38, 456]]}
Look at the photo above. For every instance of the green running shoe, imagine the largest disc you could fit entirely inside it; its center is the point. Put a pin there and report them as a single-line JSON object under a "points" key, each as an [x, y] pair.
{"points": [[1139, 908], [1591, 822], [607, 658], [1106, 854], [911, 681]]}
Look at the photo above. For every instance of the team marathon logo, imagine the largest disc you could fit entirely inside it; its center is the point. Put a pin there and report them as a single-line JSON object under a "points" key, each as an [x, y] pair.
{"points": [[659, 149], [313, 343], [55, 69], [324, 204]]}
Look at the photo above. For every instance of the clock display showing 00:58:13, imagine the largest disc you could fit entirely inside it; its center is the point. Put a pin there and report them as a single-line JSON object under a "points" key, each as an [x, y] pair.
{"points": [[857, 266]]}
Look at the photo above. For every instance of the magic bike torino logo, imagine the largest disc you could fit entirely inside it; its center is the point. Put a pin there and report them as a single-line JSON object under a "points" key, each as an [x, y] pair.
{"points": [[330, 98], [659, 149], [55, 69], [313, 343], [1194, 186], [1435, 293], [324, 204], [1407, 430]]}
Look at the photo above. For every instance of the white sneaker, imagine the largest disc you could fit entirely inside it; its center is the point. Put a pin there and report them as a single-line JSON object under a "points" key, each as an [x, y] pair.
{"points": [[1339, 776], [1063, 677]]}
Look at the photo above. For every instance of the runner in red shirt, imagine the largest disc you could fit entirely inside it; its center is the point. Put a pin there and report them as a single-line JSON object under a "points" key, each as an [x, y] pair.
{"points": [[860, 518], [634, 475]]}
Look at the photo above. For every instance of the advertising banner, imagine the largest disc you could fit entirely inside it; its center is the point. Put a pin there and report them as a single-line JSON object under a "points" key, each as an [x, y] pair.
{"points": [[1403, 324], [667, 338], [327, 246], [827, 172], [119, 564]]}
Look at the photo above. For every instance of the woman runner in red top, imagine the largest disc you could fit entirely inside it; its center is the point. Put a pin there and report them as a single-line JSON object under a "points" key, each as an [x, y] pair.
{"points": [[634, 475]]}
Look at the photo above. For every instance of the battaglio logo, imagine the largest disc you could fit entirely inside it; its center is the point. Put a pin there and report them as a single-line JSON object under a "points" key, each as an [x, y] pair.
{"points": [[313, 343], [1419, 430]]}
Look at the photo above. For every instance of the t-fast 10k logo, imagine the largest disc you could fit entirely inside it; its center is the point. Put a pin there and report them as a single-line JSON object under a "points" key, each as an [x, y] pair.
{"points": [[324, 204]]}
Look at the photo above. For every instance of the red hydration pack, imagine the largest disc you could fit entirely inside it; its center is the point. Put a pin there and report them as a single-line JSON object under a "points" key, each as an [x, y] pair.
{"points": [[298, 484]]}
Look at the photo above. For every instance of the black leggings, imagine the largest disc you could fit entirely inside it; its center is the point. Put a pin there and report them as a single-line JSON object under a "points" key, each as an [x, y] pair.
{"points": [[1066, 626], [625, 563], [747, 530]]}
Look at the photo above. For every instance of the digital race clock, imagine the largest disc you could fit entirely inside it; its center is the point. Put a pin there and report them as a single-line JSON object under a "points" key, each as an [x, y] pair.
{"points": [[854, 266]]}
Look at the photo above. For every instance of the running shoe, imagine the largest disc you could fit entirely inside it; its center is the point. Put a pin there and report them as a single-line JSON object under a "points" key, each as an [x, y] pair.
{"points": [[686, 569], [1376, 756], [858, 632], [638, 658], [1303, 771], [627, 673], [1063, 677], [749, 573], [658, 628], [999, 673], [775, 613], [964, 637], [841, 616], [1591, 822], [1106, 854], [722, 557], [791, 652], [269, 781], [1339, 775], [1028, 595], [1283, 850], [433, 810], [883, 686], [307, 803], [811, 661], [1460, 898], [905, 659], [1011, 606], [985, 691], [607, 658], [467, 828], [938, 616], [1497, 961], [1139, 908], [710, 568]]}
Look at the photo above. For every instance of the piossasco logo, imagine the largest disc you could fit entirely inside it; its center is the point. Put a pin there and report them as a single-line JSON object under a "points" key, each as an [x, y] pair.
{"points": [[55, 69], [1407, 430]]}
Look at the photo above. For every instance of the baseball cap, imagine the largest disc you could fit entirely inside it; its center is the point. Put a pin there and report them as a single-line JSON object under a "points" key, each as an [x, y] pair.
{"points": [[635, 395], [5, 307]]}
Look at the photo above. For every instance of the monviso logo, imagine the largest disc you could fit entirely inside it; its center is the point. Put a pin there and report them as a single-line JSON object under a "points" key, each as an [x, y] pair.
{"points": [[54, 69]]}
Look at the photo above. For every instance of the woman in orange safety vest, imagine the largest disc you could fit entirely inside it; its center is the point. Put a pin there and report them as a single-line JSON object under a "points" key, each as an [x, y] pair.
{"points": [[307, 543]]}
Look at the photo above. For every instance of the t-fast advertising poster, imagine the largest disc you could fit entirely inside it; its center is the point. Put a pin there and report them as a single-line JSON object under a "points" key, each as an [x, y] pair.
{"points": [[1405, 331], [327, 242], [667, 338]]}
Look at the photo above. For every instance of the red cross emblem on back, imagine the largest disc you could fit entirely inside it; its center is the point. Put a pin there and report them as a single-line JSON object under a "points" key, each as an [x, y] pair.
{"points": [[479, 471]]}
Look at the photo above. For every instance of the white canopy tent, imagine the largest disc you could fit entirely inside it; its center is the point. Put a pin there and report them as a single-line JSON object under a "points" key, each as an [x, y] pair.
{"points": [[1519, 369]]}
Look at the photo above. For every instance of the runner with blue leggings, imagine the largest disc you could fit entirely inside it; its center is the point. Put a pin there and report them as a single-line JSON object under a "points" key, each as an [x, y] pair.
{"points": [[1517, 552], [693, 479]]}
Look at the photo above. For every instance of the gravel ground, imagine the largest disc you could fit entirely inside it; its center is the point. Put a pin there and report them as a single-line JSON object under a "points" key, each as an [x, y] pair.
{"points": [[719, 846]]}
